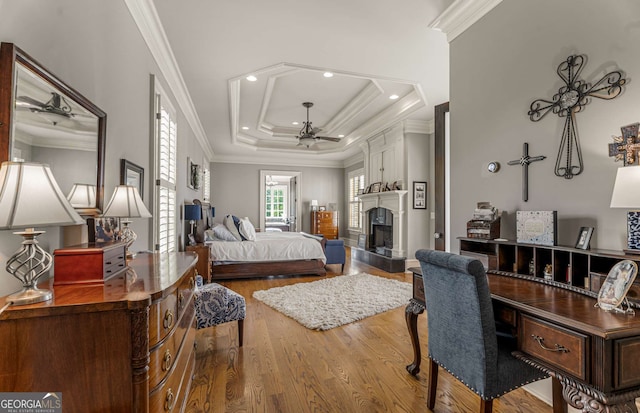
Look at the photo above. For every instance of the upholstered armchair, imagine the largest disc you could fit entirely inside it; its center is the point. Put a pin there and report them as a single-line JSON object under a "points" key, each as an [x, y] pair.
{"points": [[462, 331], [216, 304]]}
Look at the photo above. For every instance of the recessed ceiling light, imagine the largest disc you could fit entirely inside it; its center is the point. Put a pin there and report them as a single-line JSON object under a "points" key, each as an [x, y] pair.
{"points": [[394, 97], [252, 78], [295, 123], [327, 74], [245, 128], [340, 136]]}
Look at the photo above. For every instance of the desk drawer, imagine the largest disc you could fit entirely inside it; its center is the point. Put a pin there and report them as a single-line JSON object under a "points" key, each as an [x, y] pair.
{"points": [[564, 349], [418, 288]]}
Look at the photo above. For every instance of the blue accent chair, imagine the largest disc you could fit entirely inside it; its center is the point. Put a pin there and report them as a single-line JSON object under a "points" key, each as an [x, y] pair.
{"points": [[335, 252], [216, 304], [462, 330]]}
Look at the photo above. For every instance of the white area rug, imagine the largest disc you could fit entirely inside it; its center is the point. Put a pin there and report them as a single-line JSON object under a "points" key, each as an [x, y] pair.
{"points": [[329, 303]]}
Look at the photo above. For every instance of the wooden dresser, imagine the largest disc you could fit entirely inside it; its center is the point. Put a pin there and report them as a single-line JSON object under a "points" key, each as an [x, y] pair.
{"points": [[125, 346], [325, 223]]}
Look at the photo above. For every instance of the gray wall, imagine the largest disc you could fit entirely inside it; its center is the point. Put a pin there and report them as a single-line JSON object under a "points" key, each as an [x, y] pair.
{"points": [[95, 47], [235, 189], [503, 63], [419, 164]]}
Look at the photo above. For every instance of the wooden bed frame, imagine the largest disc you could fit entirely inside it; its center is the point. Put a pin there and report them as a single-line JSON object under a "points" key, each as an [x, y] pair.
{"points": [[256, 269], [265, 269]]}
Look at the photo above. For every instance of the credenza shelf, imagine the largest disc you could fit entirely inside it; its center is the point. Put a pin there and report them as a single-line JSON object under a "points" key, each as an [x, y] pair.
{"points": [[578, 268]]}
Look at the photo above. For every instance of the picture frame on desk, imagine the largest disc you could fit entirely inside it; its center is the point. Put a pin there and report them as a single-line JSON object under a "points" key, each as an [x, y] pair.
{"points": [[103, 229], [584, 238], [537, 227]]}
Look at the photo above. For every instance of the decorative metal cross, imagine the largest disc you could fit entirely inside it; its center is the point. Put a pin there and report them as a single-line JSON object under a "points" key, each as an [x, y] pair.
{"points": [[525, 160], [571, 99], [625, 148]]}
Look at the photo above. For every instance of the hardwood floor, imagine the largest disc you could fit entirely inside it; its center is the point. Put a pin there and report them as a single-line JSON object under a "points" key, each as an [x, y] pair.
{"points": [[360, 367]]}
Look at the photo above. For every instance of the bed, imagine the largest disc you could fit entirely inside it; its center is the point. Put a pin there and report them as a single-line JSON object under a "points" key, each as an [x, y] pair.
{"points": [[271, 253]]}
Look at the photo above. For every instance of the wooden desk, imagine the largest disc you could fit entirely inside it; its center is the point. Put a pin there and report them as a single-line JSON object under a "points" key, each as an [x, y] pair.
{"points": [[593, 354], [125, 346]]}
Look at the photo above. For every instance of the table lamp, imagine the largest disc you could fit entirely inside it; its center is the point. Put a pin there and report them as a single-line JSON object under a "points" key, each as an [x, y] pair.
{"points": [[626, 194], [192, 213], [126, 203], [82, 196], [30, 197]]}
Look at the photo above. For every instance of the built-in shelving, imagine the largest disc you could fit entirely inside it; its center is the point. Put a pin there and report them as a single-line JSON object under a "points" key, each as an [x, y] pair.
{"points": [[572, 267]]}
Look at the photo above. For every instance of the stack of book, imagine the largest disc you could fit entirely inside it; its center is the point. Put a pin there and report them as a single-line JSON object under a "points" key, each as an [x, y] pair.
{"points": [[485, 223]]}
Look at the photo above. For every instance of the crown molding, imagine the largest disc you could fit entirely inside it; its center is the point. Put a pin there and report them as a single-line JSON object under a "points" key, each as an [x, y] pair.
{"points": [[260, 159], [146, 18], [352, 160], [419, 126], [461, 15]]}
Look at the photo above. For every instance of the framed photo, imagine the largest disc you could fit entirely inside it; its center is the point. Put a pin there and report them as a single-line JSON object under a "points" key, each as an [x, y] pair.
{"points": [[133, 175], [375, 187], [419, 195], [362, 241], [584, 238], [615, 287], [103, 229], [537, 227], [193, 174]]}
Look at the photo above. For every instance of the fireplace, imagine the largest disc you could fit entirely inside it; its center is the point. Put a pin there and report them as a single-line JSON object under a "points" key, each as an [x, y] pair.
{"points": [[383, 220], [381, 231]]}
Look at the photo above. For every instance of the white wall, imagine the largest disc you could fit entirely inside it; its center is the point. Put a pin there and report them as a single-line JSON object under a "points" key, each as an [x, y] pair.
{"points": [[95, 47], [235, 189], [507, 60]]}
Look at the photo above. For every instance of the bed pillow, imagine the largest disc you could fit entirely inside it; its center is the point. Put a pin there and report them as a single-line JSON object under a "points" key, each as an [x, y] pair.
{"points": [[236, 221], [247, 229], [220, 232], [231, 226]]}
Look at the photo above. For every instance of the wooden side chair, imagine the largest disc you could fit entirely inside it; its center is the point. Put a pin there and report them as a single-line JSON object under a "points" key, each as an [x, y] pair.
{"points": [[462, 331]]}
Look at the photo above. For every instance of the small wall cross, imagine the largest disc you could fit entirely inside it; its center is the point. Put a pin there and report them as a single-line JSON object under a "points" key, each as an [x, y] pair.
{"points": [[524, 161]]}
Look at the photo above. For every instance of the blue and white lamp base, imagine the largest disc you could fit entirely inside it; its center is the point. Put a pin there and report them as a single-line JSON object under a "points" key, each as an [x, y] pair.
{"points": [[633, 232]]}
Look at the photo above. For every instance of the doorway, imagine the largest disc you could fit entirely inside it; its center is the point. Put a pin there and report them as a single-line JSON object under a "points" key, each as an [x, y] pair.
{"points": [[441, 188], [279, 195]]}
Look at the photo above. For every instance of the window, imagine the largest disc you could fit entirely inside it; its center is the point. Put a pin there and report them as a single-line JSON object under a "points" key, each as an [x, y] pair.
{"points": [[276, 201], [165, 174], [355, 186]]}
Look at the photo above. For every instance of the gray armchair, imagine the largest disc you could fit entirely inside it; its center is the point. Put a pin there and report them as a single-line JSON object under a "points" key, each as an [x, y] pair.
{"points": [[462, 331]]}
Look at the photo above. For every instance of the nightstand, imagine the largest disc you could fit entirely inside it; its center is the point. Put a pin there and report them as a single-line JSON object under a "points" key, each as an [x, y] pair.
{"points": [[204, 262]]}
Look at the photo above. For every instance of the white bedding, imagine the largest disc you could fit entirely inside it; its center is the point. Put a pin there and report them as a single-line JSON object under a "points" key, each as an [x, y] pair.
{"points": [[268, 246]]}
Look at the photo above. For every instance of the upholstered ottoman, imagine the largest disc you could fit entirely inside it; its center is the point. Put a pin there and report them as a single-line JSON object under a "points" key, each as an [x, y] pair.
{"points": [[216, 304], [335, 252]]}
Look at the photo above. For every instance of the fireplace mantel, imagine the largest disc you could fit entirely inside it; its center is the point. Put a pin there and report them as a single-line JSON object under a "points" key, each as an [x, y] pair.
{"points": [[395, 201]]}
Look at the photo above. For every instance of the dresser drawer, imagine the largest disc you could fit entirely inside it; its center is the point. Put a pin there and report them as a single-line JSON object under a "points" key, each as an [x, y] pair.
{"points": [[163, 316], [171, 394], [562, 348], [164, 355]]}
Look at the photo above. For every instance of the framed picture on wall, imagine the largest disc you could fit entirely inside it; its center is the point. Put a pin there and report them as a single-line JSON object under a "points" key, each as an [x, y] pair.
{"points": [[132, 175], [419, 195]]}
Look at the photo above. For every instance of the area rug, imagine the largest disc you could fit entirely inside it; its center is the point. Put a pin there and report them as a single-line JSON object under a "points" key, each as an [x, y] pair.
{"points": [[329, 303]]}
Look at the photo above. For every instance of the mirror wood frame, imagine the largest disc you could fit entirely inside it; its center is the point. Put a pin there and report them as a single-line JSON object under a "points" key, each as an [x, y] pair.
{"points": [[10, 56]]}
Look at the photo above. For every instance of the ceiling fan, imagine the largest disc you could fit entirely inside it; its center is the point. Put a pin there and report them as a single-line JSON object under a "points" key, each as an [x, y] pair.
{"points": [[307, 136], [57, 105]]}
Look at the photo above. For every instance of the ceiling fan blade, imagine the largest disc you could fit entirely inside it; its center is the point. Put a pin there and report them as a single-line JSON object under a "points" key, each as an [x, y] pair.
{"points": [[315, 130], [328, 138], [30, 101]]}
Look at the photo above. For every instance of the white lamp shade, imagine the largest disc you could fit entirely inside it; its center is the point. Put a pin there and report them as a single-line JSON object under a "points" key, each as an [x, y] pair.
{"points": [[314, 202], [626, 190], [82, 196], [31, 197], [126, 203]]}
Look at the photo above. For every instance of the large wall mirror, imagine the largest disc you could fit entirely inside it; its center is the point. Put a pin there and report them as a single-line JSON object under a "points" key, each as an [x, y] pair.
{"points": [[42, 119]]}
